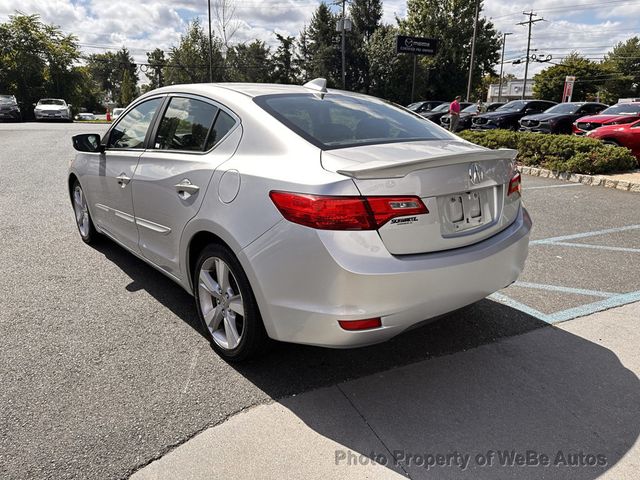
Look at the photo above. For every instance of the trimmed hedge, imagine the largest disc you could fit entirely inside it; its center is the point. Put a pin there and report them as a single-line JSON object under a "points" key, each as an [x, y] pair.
{"points": [[564, 153]]}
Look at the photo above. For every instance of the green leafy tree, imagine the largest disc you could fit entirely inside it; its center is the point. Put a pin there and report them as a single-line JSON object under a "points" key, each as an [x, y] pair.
{"points": [[127, 89], [324, 47], [285, 69], [549, 83], [366, 16], [623, 66], [250, 62], [451, 22], [302, 55], [388, 72], [36, 60], [108, 71], [156, 60], [189, 61]]}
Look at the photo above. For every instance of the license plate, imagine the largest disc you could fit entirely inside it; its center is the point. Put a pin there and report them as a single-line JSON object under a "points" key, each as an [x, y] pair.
{"points": [[464, 211]]}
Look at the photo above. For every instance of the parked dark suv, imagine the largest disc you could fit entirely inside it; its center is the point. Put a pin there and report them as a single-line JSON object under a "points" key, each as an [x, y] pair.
{"points": [[467, 114], [9, 109], [437, 113], [559, 118], [508, 115], [424, 106]]}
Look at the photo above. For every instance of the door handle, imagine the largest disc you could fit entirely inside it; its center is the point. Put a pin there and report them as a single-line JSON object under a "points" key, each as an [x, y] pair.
{"points": [[123, 180], [185, 188]]}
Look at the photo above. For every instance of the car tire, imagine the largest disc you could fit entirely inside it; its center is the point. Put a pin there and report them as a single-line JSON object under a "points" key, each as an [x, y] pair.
{"points": [[227, 307], [608, 141], [87, 230]]}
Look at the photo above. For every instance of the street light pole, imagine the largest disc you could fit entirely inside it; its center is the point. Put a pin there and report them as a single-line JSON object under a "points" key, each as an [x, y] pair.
{"points": [[473, 49], [504, 41], [210, 45]]}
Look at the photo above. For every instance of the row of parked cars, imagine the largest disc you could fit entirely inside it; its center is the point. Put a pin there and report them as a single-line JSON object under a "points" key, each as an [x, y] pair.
{"points": [[618, 124], [44, 109]]}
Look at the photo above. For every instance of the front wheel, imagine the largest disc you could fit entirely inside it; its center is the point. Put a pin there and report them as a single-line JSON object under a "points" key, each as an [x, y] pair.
{"points": [[85, 225], [226, 305]]}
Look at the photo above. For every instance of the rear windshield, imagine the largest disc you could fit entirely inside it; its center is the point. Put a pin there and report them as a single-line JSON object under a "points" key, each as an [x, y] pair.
{"points": [[340, 121]]}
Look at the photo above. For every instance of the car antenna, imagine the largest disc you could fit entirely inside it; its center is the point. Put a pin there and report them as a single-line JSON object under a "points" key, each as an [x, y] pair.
{"points": [[319, 85]]}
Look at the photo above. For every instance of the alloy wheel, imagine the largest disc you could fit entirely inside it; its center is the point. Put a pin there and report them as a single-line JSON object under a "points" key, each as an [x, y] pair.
{"points": [[82, 211], [221, 303]]}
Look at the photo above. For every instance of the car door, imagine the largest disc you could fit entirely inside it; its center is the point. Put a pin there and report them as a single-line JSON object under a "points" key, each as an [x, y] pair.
{"points": [[193, 137], [111, 182]]}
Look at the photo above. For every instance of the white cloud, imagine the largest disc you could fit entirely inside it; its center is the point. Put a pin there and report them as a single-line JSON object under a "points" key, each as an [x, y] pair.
{"points": [[579, 25]]}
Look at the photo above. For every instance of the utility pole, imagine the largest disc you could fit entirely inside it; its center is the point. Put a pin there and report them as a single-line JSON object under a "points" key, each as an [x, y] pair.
{"points": [[526, 65], [210, 45], [504, 41], [473, 49], [344, 25]]}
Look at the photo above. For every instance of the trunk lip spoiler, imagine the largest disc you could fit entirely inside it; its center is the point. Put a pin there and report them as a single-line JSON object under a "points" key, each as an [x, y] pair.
{"points": [[378, 169]]}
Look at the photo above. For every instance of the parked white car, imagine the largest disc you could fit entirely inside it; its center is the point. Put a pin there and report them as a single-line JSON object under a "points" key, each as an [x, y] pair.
{"points": [[302, 214], [52, 109]]}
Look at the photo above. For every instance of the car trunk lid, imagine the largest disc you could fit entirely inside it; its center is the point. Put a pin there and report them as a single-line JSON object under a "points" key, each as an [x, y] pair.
{"points": [[463, 186]]}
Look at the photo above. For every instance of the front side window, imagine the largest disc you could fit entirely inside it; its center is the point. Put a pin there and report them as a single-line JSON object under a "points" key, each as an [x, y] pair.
{"points": [[338, 121], [131, 131], [186, 125]]}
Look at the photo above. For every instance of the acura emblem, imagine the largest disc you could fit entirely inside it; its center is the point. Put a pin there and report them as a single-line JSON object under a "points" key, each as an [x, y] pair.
{"points": [[476, 175]]}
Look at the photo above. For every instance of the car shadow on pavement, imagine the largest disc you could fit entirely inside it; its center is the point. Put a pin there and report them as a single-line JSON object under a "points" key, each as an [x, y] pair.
{"points": [[483, 378], [548, 395]]}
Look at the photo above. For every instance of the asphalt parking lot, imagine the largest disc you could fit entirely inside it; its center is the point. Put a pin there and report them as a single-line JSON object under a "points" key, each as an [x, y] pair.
{"points": [[105, 367]]}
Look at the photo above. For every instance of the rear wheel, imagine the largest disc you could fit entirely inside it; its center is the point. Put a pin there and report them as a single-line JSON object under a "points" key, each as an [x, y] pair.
{"points": [[85, 225], [226, 305], [609, 141]]}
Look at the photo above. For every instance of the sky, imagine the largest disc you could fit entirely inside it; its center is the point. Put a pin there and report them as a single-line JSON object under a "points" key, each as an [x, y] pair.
{"points": [[585, 26]]}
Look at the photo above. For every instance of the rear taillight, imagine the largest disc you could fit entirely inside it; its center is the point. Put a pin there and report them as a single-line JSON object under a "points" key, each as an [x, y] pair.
{"points": [[344, 212], [514, 185], [367, 324]]}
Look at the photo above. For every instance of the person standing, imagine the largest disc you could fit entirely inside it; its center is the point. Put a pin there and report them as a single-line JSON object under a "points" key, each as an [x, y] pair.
{"points": [[482, 108], [454, 114]]}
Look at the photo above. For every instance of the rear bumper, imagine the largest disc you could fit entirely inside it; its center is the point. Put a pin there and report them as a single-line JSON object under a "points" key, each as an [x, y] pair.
{"points": [[306, 280]]}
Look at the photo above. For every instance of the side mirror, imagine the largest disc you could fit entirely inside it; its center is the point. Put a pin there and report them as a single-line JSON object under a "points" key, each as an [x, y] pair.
{"points": [[529, 111], [87, 142], [69, 105], [33, 104]]}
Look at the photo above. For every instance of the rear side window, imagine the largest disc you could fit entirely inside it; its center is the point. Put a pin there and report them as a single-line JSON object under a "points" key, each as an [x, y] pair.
{"points": [[340, 121], [223, 124], [185, 125], [131, 130]]}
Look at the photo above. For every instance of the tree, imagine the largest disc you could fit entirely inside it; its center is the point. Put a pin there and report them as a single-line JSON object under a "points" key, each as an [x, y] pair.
{"points": [[366, 16], [156, 60], [249, 63], [108, 71], [36, 60], [445, 75], [302, 56], [189, 61], [388, 72], [549, 84], [284, 66], [324, 46], [623, 66], [127, 89]]}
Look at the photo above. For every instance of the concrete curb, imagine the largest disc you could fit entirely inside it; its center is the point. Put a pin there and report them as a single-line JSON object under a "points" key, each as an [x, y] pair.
{"points": [[593, 180]]}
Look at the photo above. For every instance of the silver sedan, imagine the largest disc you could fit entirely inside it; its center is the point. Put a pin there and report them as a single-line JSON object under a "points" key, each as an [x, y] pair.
{"points": [[301, 214]]}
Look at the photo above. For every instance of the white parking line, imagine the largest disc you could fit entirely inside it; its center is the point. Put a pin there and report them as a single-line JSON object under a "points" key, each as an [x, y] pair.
{"points": [[555, 186], [557, 288], [584, 235]]}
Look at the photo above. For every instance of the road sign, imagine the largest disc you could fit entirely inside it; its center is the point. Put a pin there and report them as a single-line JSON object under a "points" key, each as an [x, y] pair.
{"points": [[416, 45]]}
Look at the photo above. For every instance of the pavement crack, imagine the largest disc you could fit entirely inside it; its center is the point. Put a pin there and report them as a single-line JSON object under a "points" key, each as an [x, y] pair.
{"points": [[366, 422]]}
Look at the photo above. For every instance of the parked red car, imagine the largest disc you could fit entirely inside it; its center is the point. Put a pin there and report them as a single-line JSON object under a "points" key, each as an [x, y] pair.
{"points": [[627, 135], [614, 115]]}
